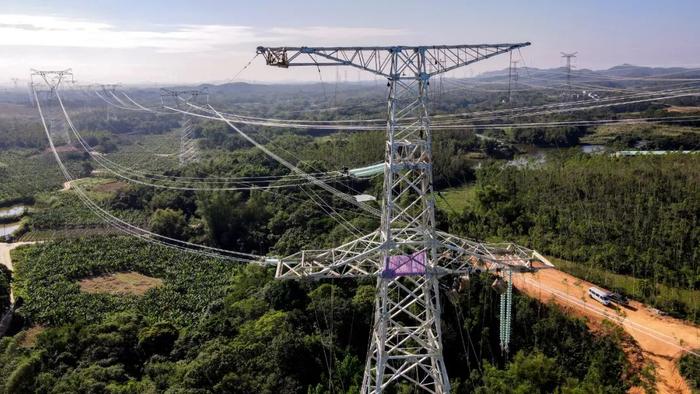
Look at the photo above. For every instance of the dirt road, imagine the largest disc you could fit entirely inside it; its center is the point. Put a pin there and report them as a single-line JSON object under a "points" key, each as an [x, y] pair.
{"points": [[67, 185], [5, 258], [662, 339]]}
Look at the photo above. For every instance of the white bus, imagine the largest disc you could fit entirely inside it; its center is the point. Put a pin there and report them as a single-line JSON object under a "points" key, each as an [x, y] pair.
{"points": [[599, 295]]}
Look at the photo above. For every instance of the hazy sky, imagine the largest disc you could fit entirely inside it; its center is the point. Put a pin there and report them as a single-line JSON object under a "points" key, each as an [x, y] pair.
{"points": [[182, 41]]}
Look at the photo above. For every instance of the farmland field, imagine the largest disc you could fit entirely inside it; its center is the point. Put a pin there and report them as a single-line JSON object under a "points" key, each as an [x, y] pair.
{"points": [[51, 270]]}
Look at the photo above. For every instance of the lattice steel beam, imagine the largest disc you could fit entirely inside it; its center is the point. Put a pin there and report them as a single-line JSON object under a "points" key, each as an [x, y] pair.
{"points": [[413, 60], [188, 144], [406, 254]]}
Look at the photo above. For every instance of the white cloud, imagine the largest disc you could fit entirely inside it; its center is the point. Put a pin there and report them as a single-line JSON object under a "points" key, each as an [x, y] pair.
{"points": [[52, 31], [55, 31], [102, 51]]}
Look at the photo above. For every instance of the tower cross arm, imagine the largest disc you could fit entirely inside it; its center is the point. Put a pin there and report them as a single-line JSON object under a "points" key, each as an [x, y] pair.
{"points": [[184, 95], [395, 62], [461, 256], [357, 258], [52, 78], [362, 257]]}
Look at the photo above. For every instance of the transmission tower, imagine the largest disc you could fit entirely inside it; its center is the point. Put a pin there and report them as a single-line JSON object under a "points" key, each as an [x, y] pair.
{"points": [[52, 79], [107, 91], [15, 81], [188, 144], [406, 254], [30, 91], [512, 78], [568, 57]]}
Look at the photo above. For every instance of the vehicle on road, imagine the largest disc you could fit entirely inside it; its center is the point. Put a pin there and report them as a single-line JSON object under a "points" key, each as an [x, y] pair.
{"points": [[599, 295], [619, 299]]}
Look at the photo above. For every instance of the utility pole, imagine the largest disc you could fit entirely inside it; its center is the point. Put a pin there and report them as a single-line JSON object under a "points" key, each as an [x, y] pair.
{"points": [[406, 254], [188, 144], [568, 57]]}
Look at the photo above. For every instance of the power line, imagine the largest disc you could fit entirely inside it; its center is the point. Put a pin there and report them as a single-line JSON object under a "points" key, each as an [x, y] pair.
{"points": [[126, 227]]}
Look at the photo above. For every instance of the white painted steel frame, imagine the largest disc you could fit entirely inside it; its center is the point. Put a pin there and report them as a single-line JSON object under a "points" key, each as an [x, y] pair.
{"points": [[406, 341]]}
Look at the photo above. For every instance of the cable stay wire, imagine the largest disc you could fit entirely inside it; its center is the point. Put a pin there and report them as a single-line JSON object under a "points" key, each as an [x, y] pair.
{"points": [[301, 124], [111, 92], [141, 106], [241, 183], [448, 126], [330, 211], [130, 176], [334, 214], [295, 169], [329, 175], [347, 197], [243, 69], [127, 227], [114, 105]]}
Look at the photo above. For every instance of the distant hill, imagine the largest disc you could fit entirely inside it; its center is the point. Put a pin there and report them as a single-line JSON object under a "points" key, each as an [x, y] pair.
{"points": [[621, 71]]}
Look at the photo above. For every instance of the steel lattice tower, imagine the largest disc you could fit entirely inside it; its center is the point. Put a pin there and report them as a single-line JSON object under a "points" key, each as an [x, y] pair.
{"points": [[52, 79], [188, 145], [568, 57], [406, 254], [512, 78]]}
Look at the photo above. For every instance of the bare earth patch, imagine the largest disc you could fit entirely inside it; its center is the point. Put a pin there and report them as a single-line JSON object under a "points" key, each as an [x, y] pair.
{"points": [[118, 283], [111, 187], [62, 149], [29, 336], [683, 110]]}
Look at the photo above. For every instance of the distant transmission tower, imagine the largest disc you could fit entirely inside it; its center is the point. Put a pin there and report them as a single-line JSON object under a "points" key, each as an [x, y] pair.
{"points": [[512, 78], [188, 144], [14, 81], [30, 90], [55, 125], [108, 90], [568, 57], [406, 254]]}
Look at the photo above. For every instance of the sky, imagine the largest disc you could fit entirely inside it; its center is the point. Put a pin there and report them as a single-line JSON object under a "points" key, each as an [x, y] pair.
{"points": [[179, 41]]}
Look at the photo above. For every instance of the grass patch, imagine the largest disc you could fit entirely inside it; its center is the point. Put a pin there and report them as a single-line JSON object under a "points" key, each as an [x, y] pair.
{"points": [[132, 283], [683, 110], [28, 337], [456, 199], [98, 188]]}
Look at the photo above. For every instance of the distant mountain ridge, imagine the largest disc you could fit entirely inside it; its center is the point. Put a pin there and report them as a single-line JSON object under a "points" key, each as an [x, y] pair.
{"points": [[621, 71]]}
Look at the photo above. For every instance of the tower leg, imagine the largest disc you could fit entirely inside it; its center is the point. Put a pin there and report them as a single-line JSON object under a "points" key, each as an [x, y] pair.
{"points": [[406, 342]]}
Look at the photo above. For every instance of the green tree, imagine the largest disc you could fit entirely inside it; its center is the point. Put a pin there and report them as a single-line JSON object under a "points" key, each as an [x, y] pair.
{"points": [[526, 374], [168, 222]]}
